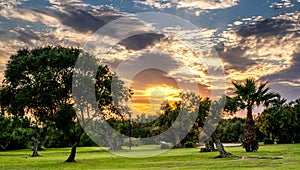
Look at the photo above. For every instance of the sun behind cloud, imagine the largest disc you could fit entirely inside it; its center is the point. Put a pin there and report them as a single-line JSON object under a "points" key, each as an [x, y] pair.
{"points": [[152, 87], [149, 100]]}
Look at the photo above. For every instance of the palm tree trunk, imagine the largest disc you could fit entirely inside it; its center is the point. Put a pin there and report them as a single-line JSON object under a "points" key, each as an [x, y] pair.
{"points": [[250, 143]]}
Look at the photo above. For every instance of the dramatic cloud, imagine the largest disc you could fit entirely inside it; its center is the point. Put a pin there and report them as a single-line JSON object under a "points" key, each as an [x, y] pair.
{"points": [[10, 3], [263, 48], [257, 46], [185, 58], [65, 23], [196, 6], [289, 75], [203, 4], [141, 41]]}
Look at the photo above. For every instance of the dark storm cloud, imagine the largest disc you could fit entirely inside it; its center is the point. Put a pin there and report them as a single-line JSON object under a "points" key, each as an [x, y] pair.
{"points": [[150, 77], [81, 20], [291, 74], [234, 56], [275, 28], [128, 68], [287, 82], [141, 41], [267, 27], [155, 60]]}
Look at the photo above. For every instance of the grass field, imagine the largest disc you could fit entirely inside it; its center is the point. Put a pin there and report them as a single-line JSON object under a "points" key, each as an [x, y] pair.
{"points": [[97, 158]]}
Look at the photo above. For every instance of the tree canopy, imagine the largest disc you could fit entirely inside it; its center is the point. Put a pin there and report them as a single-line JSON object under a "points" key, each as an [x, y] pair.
{"points": [[38, 84]]}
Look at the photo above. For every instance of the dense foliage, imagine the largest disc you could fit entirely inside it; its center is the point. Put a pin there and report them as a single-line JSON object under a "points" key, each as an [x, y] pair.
{"points": [[231, 130], [38, 85]]}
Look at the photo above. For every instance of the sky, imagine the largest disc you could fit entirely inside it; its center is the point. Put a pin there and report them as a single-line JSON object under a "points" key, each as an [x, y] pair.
{"points": [[208, 45]]}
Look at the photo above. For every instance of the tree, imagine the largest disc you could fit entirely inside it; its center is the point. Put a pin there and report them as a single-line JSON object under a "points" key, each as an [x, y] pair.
{"points": [[177, 118], [248, 95], [279, 122], [296, 108], [207, 118], [100, 96], [13, 133], [212, 121], [38, 84], [231, 130]]}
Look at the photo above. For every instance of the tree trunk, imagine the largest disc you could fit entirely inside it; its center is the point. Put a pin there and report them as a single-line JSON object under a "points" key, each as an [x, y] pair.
{"points": [[72, 155], [220, 147], [249, 142], [35, 148], [209, 146]]}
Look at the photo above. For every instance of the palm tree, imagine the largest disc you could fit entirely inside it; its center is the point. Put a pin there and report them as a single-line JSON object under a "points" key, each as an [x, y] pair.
{"points": [[248, 95]]}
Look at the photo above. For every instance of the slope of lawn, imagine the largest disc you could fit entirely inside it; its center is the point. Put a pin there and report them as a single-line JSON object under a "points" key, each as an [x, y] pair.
{"points": [[97, 158]]}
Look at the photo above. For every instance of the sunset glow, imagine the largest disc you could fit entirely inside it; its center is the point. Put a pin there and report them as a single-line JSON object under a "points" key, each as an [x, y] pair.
{"points": [[149, 101]]}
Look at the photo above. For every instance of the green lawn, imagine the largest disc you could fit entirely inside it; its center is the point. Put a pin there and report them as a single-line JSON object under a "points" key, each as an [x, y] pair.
{"points": [[97, 158]]}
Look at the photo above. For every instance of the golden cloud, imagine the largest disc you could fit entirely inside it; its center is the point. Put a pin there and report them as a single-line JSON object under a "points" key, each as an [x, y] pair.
{"points": [[270, 50], [197, 6]]}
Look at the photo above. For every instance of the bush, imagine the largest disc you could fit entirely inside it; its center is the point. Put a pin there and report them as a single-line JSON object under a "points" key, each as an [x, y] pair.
{"points": [[268, 141], [164, 146], [189, 144]]}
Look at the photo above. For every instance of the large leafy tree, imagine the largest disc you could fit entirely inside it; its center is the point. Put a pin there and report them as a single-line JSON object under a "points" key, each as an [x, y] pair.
{"points": [[97, 116], [248, 95], [231, 130], [280, 121], [212, 120], [38, 84], [207, 118]]}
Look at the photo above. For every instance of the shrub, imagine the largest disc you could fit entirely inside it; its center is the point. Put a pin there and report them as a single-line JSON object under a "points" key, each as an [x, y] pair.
{"points": [[164, 146], [189, 144], [268, 141]]}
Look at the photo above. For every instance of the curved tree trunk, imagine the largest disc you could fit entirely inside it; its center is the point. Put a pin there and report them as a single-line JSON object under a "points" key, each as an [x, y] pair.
{"points": [[209, 146], [72, 155], [220, 147], [249, 142]]}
